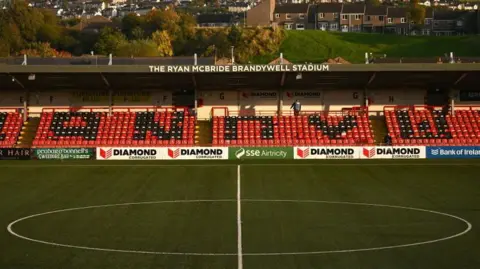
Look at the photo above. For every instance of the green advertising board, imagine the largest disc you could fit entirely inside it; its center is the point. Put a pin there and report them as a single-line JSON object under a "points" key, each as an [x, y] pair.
{"points": [[250, 153], [64, 154]]}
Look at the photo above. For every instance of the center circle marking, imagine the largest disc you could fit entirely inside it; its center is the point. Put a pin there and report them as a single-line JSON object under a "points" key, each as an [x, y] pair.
{"points": [[468, 228]]}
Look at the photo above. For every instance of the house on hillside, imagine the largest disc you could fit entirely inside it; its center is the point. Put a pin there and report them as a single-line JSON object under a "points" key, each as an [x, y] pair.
{"points": [[449, 22], [215, 20], [397, 21], [328, 16], [358, 17], [351, 17], [375, 19], [291, 16], [262, 14], [93, 25], [239, 7]]}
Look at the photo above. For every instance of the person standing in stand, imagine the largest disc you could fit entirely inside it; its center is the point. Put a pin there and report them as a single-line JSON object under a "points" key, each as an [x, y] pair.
{"points": [[297, 107]]}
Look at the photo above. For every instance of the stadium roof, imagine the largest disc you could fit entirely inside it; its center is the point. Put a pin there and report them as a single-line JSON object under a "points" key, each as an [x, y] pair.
{"points": [[144, 77]]}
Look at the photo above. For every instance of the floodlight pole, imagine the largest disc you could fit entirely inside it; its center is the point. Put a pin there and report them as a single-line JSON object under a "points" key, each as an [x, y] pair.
{"points": [[195, 87], [452, 106], [110, 101], [25, 106]]}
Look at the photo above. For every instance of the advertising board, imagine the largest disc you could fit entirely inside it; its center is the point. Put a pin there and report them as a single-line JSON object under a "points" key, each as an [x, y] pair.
{"points": [[453, 152], [172, 153], [15, 154], [129, 153], [207, 153], [270, 153], [63, 153], [327, 152], [393, 153]]}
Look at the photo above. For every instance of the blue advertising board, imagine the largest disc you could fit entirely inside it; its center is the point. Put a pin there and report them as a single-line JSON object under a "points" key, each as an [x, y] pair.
{"points": [[453, 152]]}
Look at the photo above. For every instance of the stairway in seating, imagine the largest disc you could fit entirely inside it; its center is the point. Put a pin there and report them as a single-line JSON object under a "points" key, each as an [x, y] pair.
{"points": [[379, 128], [204, 135], [27, 135]]}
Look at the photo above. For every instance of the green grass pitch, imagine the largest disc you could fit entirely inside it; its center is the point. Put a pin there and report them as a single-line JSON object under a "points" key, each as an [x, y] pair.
{"points": [[308, 214]]}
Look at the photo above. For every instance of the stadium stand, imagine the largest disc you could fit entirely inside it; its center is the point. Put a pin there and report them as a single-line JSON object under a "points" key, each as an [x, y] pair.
{"points": [[10, 127], [419, 125], [347, 129], [124, 127]]}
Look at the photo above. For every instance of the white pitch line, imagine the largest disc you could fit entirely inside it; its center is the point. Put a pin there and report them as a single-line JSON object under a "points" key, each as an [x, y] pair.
{"points": [[239, 220], [468, 228]]}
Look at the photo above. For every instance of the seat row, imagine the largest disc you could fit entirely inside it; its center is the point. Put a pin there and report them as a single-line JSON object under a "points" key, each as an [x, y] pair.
{"points": [[73, 129], [10, 128], [433, 127], [315, 129], [177, 128]]}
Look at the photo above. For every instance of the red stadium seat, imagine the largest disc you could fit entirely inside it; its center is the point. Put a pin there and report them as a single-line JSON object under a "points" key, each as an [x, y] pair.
{"points": [[311, 130], [121, 129]]}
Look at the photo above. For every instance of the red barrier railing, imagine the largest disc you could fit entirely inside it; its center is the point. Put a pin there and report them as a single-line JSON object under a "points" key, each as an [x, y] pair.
{"points": [[224, 111], [115, 108]]}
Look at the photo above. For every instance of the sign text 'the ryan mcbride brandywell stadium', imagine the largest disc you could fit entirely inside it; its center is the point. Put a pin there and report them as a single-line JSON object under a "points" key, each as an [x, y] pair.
{"points": [[238, 68]]}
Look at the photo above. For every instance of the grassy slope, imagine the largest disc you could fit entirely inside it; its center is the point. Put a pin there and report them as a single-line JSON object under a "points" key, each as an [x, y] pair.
{"points": [[317, 46]]}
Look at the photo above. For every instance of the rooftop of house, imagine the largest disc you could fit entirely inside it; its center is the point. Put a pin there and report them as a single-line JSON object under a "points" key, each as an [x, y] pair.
{"points": [[329, 8], [376, 10], [353, 9], [291, 8], [450, 15], [214, 18], [397, 12], [94, 22]]}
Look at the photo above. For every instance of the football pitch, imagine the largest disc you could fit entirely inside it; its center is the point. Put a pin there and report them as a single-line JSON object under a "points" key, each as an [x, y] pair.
{"points": [[240, 215]]}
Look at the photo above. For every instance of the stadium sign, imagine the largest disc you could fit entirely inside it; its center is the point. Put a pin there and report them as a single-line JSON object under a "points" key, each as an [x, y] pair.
{"points": [[453, 152], [303, 94], [197, 153], [469, 95], [63, 154], [128, 154], [251, 68], [260, 95], [15, 154], [248, 153], [393, 153], [327, 153]]}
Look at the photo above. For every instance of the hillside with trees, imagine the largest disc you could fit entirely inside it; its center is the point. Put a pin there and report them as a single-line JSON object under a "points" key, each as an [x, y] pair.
{"points": [[164, 33], [160, 33]]}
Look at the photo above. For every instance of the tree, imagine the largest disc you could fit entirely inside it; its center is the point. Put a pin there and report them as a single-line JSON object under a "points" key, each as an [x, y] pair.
{"points": [[10, 37], [49, 33], [137, 33], [28, 20], [235, 35], [187, 25], [137, 48], [163, 43], [164, 20], [131, 22], [108, 41], [416, 12]]}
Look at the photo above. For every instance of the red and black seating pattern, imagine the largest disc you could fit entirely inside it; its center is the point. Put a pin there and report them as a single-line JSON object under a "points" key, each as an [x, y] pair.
{"points": [[433, 127], [146, 128], [10, 127], [292, 130]]}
